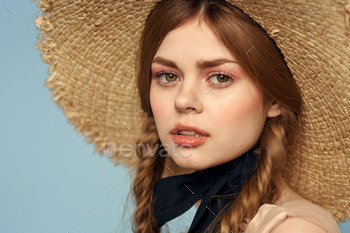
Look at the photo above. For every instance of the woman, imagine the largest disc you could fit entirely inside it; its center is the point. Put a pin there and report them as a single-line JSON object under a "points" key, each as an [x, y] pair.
{"points": [[223, 111], [214, 68]]}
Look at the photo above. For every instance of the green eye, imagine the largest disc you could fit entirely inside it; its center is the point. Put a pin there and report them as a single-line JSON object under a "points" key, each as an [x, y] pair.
{"points": [[166, 78], [170, 77], [220, 80]]}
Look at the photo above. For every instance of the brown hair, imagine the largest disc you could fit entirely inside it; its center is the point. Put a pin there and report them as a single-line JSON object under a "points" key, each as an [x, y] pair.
{"points": [[259, 56]]}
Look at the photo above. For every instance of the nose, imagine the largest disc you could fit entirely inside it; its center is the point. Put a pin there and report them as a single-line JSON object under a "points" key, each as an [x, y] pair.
{"points": [[188, 99]]}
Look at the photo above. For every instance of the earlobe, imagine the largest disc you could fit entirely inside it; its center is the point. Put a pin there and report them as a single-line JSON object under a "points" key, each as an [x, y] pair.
{"points": [[275, 110]]}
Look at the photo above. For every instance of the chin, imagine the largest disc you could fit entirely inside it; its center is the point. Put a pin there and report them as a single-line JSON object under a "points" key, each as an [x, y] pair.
{"points": [[191, 163]]}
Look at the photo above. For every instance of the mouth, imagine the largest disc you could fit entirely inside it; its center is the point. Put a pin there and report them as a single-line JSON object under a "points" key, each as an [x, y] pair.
{"points": [[188, 135], [188, 131]]}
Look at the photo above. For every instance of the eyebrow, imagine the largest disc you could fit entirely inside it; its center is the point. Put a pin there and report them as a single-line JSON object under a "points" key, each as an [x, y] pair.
{"points": [[200, 64]]}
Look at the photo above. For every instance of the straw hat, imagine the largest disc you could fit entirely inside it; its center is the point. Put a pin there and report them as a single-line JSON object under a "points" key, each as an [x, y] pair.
{"points": [[90, 48]]}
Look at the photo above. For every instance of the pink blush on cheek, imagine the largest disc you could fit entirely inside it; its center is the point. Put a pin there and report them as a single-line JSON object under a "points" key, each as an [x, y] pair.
{"points": [[157, 106], [157, 110], [242, 107]]}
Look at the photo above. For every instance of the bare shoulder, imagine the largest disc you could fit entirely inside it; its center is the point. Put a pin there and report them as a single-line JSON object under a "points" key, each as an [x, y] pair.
{"points": [[292, 214], [297, 225]]}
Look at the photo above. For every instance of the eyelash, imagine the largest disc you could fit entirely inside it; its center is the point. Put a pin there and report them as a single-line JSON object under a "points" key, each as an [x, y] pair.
{"points": [[226, 84]]}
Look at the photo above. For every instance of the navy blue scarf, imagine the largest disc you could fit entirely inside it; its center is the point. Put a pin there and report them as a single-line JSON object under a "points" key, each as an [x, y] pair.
{"points": [[175, 195]]}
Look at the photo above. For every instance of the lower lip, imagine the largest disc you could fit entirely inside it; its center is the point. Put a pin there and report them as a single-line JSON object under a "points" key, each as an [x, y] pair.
{"points": [[188, 140]]}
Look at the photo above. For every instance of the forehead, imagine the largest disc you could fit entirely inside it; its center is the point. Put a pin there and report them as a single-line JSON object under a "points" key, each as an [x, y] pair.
{"points": [[194, 39]]}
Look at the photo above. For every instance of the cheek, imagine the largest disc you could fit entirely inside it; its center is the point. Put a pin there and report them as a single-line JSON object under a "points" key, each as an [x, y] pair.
{"points": [[155, 102], [242, 113], [156, 106], [159, 105]]}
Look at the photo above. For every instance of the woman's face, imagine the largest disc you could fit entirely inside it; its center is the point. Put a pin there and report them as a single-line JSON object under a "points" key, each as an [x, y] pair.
{"points": [[197, 83]]}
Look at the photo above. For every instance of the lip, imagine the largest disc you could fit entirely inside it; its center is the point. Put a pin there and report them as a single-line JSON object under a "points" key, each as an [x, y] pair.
{"points": [[188, 140], [179, 126]]}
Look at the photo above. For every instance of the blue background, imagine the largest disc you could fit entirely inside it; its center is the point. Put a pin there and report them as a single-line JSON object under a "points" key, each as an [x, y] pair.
{"points": [[50, 179]]}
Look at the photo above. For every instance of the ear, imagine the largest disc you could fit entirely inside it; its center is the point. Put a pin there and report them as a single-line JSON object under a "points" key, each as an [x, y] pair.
{"points": [[274, 110]]}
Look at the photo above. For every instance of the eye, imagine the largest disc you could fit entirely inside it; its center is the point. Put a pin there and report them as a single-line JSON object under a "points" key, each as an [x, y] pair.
{"points": [[165, 78], [222, 80]]}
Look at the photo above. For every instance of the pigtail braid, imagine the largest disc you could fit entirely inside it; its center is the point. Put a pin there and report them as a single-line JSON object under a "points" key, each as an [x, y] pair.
{"points": [[149, 169], [262, 187]]}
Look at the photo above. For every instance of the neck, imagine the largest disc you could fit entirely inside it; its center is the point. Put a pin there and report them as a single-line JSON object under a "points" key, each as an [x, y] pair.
{"points": [[286, 193], [172, 169]]}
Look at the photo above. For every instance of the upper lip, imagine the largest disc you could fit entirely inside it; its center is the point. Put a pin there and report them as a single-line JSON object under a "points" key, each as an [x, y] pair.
{"points": [[179, 126]]}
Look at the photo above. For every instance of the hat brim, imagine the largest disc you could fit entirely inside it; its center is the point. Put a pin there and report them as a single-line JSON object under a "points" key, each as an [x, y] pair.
{"points": [[90, 48]]}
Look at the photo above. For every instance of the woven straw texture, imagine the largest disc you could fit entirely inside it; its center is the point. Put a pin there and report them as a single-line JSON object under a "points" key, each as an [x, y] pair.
{"points": [[90, 47]]}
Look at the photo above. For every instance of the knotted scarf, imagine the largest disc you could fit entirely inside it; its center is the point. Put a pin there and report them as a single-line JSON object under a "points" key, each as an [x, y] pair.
{"points": [[174, 195]]}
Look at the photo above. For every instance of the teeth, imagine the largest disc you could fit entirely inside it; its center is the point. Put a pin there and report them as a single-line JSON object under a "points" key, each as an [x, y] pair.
{"points": [[189, 133]]}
